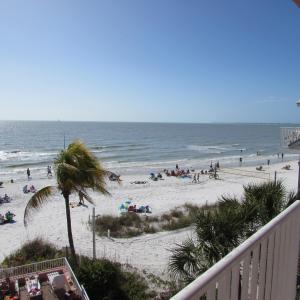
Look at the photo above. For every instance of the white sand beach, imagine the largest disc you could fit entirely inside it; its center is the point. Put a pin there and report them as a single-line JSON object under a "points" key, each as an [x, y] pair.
{"points": [[148, 252]]}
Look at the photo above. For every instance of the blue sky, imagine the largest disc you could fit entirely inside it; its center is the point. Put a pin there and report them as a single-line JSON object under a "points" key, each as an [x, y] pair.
{"points": [[150, 60]]}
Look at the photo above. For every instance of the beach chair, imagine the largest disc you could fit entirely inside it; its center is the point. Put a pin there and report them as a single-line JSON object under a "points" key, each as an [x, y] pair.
{"points": [[58, 282]]}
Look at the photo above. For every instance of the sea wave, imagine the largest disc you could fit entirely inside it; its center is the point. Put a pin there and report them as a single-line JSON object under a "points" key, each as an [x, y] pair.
{"points": [[215, 149], [24, 155]]}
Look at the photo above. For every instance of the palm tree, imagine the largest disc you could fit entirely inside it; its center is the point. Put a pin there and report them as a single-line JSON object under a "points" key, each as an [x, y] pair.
{"points": [[217, 232], [222, 228], [76, 171]]}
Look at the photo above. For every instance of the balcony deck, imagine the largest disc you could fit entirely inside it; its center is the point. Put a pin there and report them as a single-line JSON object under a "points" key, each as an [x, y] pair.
{"points": [[49, 280], [264, 267]]}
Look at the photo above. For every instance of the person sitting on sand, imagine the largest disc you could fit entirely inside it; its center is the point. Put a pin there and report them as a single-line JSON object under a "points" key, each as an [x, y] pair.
{"points": [[114, 177], [132, 208], [159, 176], [287, 167], [32, 189], [138, 182], [260, 168], [9, 216], [25, 189]]}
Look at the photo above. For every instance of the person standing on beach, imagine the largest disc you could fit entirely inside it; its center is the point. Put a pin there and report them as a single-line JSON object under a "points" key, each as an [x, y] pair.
{"points": [[49, 171], [28, 173], [81, 199], [194, 179], [282, 156], [268, 161], [198, 177], [241, 161]]}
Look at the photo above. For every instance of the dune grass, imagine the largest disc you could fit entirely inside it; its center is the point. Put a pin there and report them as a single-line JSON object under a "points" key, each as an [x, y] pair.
{"points": [[133, 224]]}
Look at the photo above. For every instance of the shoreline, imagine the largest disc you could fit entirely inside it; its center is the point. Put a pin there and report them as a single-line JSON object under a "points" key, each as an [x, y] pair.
{"points": [[147, 252]]}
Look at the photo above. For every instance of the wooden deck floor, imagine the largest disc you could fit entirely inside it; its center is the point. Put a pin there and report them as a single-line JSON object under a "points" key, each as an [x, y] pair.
{"points": [[47, 293]]}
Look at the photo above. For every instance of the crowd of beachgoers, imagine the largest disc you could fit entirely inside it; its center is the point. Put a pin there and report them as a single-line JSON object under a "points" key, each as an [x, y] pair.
{"points": [[155, 193]]}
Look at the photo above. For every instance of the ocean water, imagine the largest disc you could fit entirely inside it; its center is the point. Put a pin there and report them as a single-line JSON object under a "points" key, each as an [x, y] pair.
{"points": [[137, 147]]}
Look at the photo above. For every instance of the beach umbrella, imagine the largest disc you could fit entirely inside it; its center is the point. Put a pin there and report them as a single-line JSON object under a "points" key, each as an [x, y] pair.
{"points": [[124, 205]]}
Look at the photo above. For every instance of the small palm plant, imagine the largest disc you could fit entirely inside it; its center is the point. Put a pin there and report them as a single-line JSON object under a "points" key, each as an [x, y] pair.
{"points": [[219, 230], [76, 170]]}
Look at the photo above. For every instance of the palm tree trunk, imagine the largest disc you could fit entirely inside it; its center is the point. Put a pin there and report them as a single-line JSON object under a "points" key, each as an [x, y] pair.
{"points": [[69, 226]]}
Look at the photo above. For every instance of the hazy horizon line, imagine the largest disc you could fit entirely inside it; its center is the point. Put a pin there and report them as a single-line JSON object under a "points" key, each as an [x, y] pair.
{"points": [[150, 122]]}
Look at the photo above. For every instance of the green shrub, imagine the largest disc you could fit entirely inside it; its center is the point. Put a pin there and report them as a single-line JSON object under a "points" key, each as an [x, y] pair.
{"points": [[176, 224], [127, 225], [149, 229], [152, 219], [33, 251], [105, 280], [166, 217], [176, 213], [101, 279], [135, 286]]}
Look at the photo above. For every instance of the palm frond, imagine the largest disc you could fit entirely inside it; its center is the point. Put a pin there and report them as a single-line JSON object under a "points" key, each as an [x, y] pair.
{"points": [[77, 169], [291, 198], [37, 200], [183, 261]]}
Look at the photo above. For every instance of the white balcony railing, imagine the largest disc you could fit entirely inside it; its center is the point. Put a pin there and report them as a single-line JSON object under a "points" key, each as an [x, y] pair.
{"points": [[264, 267]]}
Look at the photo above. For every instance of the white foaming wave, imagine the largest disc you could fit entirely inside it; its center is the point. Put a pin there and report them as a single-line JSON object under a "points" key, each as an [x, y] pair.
{"points": [[215, 149], [143, 164], [98, 151], [24, 155], [195, 163]]}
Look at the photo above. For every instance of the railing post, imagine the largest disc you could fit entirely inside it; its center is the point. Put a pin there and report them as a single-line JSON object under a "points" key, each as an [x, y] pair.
{"points": [[298, 176], [94, 239]]}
